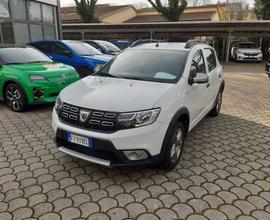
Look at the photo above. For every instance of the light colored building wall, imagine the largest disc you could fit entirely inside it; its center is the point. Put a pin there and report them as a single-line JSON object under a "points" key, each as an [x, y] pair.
{"points": [[122, 16], [215, 17]]}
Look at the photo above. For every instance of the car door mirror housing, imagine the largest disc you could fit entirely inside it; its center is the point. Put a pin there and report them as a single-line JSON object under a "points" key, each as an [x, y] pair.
{"points": [[200, 78]]}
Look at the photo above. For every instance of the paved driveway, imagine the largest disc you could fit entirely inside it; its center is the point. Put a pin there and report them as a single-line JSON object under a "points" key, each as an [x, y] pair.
{"points": [[224, 173]]}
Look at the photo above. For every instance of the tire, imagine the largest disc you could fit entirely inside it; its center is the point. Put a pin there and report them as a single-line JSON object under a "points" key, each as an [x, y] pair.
{"points": [[218, 103], [174, 146], [84, 72], [15, 97]]}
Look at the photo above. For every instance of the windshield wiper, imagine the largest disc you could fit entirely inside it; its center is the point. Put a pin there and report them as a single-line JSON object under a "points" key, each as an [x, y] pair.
{"points": [[133, 77], [103, 74]]}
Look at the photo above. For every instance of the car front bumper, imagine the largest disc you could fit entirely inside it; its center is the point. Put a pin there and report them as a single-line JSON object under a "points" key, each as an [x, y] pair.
{"points": [[243, 57], [108, 147], [50, 91]]}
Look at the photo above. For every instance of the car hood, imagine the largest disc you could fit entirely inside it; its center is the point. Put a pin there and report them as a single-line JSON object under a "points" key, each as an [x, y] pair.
{"points": [[113, 94], [104, 58], [247, 50], [47, 69]]}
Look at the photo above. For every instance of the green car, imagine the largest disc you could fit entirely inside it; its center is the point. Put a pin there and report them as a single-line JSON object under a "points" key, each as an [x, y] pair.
{"points": [[28, 77]]}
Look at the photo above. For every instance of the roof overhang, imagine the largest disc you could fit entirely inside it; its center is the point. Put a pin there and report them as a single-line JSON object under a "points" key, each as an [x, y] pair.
{"points": [[191, 28]]}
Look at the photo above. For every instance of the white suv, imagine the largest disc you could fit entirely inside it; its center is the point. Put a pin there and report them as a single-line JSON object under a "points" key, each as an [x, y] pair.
{"points": [[138, 109], [246, 51]]}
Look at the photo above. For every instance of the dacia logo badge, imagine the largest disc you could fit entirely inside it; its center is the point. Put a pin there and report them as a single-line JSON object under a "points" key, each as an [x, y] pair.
{"points": [[84, 115], [63, 76]]}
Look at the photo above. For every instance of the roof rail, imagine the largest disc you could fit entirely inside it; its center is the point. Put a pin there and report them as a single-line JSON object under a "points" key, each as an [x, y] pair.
{"points": [[192, 43]]}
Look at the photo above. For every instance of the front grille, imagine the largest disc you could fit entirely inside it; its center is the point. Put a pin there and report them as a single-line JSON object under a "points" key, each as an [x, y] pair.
{"points": [[96, 120], [251, 54]]}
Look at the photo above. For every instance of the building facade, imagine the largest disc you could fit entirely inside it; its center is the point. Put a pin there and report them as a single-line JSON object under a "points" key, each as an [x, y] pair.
{"points": [[22, 21]]}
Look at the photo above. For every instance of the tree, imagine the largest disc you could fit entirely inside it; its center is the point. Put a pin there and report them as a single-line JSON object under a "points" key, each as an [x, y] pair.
{"points": [[172, 10], [262, 9], [86, 8]]}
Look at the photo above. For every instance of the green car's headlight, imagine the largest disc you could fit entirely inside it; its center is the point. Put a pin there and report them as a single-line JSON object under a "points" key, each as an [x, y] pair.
{"points": [[37, 77], [137, 119]]}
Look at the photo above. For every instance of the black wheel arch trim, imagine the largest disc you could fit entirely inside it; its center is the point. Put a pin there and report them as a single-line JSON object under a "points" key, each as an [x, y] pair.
{"points": [[180, 112], [222, 86], [10, 81]]}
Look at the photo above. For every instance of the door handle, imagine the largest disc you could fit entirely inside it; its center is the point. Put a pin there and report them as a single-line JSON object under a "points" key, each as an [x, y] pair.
{"points": [[219, 76], [208, 85]]}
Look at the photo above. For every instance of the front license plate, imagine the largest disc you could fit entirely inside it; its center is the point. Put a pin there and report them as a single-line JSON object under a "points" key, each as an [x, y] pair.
{"points": [[83, 141]]}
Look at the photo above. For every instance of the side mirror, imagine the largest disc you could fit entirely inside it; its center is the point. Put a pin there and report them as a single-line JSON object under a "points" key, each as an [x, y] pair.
{"points": [[200, 78]]}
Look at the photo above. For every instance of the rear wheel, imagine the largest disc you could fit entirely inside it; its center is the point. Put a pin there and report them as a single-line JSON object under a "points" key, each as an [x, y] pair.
{"points": [[15, 97], [175, 146], [216, 110], [84, 72]]}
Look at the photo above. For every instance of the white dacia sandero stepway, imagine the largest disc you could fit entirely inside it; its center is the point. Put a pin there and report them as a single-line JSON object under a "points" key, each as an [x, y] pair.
{"points": [[139, 107]]}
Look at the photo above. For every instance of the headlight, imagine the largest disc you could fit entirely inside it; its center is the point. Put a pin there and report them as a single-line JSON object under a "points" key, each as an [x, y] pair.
{"points": [[98, 67], [138, 119], [37, 77], [58, 104]]}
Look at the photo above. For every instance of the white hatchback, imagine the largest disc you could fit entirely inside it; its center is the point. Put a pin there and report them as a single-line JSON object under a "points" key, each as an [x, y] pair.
{"points": [[138, 108]]}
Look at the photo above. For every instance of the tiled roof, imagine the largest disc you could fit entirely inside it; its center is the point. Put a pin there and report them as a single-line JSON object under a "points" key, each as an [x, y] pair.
{"points": [[69, 14]]}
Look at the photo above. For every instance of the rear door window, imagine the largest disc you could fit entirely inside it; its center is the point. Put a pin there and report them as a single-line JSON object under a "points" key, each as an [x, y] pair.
{"points": [[198, 65], [210, 59]]}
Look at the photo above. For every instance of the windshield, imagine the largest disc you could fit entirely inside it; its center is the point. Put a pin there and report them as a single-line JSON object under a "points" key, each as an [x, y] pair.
{"points": [[22, 56], [83, 49], [247, 45], [109, 46], [148, 65]]}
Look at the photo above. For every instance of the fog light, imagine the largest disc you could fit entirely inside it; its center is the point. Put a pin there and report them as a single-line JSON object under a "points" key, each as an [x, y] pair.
{"points": [[38, 93], [136, 154]]}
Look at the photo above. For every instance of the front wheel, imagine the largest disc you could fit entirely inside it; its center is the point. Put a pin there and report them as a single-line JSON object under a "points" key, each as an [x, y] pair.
{"points": [[216, 109], [15, 97], [175, 146]]}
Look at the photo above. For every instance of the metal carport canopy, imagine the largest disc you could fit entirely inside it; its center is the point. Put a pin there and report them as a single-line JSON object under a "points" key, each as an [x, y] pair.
{"points": [[196, 28]]}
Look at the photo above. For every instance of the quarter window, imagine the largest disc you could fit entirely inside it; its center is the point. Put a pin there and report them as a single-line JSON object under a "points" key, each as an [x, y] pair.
{"points": [[198, 65], [211, 59]]}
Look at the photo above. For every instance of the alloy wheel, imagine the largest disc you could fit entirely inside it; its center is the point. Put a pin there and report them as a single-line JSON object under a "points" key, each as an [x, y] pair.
{"points": [[14, 98], [177, 145]]}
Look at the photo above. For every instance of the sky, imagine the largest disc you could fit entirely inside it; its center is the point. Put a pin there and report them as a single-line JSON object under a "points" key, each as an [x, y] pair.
{"points": [[122, 2]]}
